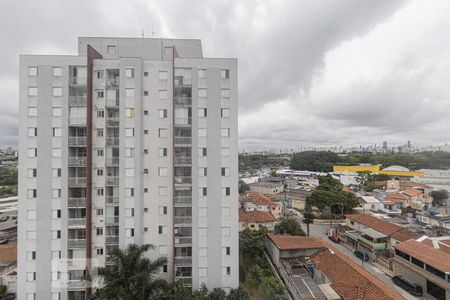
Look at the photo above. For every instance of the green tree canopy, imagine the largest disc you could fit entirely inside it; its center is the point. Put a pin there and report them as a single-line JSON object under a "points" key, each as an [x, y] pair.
{"points": [[252, 242], [290, 226], [439, 197]]}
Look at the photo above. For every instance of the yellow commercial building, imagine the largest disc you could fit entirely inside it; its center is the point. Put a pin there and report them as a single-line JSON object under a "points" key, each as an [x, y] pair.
{"points": [[395, 171]]}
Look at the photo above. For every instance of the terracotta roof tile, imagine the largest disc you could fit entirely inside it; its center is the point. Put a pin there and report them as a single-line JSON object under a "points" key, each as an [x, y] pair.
{"points": [[349, 280], [290, 242], [425, 252], [256, 217], [412, 192], [260, 199], [8, 253]]}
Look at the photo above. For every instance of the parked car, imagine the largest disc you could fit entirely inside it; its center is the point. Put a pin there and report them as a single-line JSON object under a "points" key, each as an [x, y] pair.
{"points": [[411, 287], [361, 255], [334, 239]]}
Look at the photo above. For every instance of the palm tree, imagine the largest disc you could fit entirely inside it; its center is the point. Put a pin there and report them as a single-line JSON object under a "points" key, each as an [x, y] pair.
{"points": [[131, 276]]}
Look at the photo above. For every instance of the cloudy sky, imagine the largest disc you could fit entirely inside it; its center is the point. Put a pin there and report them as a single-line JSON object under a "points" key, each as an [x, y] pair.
{"points": [[316, 72]]}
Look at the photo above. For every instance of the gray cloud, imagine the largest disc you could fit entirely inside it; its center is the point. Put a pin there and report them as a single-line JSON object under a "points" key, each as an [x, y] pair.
{"points": [[285, 51]]}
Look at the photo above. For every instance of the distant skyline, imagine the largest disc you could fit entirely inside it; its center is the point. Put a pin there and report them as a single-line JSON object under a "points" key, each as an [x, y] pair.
{"points": [[316, 73]]}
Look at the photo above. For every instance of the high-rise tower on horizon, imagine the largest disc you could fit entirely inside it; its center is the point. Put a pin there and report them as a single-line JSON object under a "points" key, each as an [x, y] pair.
{"points": [[133, 140]]}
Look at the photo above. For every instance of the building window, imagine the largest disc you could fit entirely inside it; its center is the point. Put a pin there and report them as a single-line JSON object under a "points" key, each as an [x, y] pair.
{"points": [[100, 132], [56, 173], [31, 255], [129, 192], [162, 94], [99, 251], [203, 191], [162, 210], [57, 131], [100, 113], [99, 231], [165, 268], [129, 92], [32, 152], [57, 112], [56, 234], [57, 91], [202, 132], [129, 112], [201, 73], [32, 173], [32, 131], [145, 112], [56, 193], [33, 71], [202, 172], [99, 211], [129, 132], [225, 132], [226, 191], [145, 151], [162, 152], [99, 191], [145, 93], [162, 172], [145, 131], [100, 74], [32, 193], [202, 93], [163, 75], [129, 152], [202, 151], [129, 212], [31, 276], [162, 113], [162, 132], [225, 172], [225, 93], [129, 72], [57, 71], [99, 152], [111, 49], [100, 94], [56, 214], [227, 251], [129, 232], [202, 113], [32, 112], [225, 74], [32, 91], [225, 113], [145, 74]]}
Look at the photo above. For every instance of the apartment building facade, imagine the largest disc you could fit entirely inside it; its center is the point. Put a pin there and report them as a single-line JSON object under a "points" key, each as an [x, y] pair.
{"points": [[130, 141]]}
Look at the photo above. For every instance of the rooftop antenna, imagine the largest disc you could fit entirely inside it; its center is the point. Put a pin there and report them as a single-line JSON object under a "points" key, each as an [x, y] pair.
{"points": [[153, 31]]}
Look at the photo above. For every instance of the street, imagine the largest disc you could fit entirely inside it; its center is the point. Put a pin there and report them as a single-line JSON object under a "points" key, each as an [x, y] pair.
{"points": [[320, 231]]}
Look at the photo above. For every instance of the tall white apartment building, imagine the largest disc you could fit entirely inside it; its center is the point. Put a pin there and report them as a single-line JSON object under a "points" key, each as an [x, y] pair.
{"points": [[133, 140]]}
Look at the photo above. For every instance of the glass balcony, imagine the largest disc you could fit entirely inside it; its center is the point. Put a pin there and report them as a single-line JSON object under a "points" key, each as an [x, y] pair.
{"points": [[77, 121], [112, 122], [77, 80], [77, 101], [77, 141], [112, 83], [183, 240], [76, 222], [77, 181], [111, 239], [183, 121], [112, 199], [374, 245], [183, 179], [77, 161], [112, 141], [183, 200], [112, 161], [112, 180], [112, 220], [76, 243], [183, 160], [183, 261], [183, 220], [112, 103], [76, 202]]}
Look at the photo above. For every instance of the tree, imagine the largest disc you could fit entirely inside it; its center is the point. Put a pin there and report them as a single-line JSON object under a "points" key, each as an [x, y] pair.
{"points": [[243, 187], [308, 218], [439, 197], [217, 294], [291, 227], [272, 289], [252, 242], [131, 276], [316, 161], [3, 290], [237, 294]]}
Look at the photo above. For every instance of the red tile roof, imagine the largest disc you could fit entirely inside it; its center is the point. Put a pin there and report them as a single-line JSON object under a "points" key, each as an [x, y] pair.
{"points": [[424, 251], [256, 217], [412, 192], [260, 199], [349, 280], [8, 253], [389, 229], [397, 197], [290, 242], [410, 184]]}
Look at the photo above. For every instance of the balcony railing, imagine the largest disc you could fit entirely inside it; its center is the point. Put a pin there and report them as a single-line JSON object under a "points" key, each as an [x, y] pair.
{"points": [[112, 180], [182, 200], [112, 239], [112, 141], [183, 179], [77, 161], [183, 240], [112, 83], [77, 101], [112, 199], [183, 220], [77, 141], [76, 202], [112, 161], [76, 222], [375, 246], [183, 160], [76, 121], [112, 122], [77, 80], [76, 243], [185, 280], [112, 220], [77, 181], [112, 103], [183, 261], [183, 101], [183, 121], [183, 140]]}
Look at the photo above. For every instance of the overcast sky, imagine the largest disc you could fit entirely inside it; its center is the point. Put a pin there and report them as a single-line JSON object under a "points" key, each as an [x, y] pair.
{"points": [[315, 72]]}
